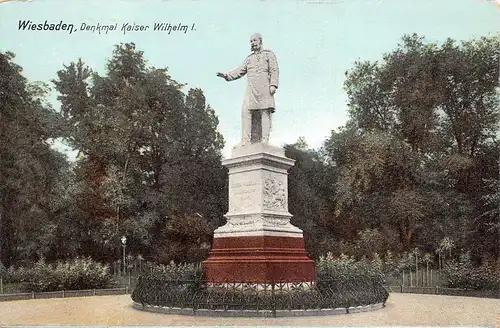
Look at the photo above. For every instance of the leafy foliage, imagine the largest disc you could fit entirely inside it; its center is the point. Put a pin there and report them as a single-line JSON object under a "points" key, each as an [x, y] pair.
{"points": [[174, 271], [310, 194], [346, 271], [340, 283], [415, 167], [418, 158], [150, 157], [462, 274], [29, 167], [77, 274]]}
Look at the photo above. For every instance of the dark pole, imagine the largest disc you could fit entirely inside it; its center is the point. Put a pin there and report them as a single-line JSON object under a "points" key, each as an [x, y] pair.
{"points": [[124, 266], [498, 223], [124, 244]]}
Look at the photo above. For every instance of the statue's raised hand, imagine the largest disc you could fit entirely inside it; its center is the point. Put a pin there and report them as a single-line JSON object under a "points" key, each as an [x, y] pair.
{"points": [[223, 75]]}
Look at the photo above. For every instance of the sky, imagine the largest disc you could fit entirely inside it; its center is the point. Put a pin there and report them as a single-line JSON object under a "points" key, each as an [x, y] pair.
{"points": [[315, 43]]}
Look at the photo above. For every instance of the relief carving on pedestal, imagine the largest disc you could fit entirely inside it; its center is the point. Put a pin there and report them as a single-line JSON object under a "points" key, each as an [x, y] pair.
{"points": [[275, 222], [274, 194], [241, 222]]}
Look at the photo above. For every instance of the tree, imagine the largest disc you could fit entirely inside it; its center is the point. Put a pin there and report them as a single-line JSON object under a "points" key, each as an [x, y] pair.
{"points": [[446, 245], [418, 154], [29, 167], [149, 151], [309, 189]]}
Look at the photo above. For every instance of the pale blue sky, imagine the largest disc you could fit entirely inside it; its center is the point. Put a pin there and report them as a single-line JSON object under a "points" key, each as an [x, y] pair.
{"points": [[315, 43]]}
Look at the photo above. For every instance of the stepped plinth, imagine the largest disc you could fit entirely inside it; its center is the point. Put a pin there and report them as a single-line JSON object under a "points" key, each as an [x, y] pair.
{"points": [[258, 244]]}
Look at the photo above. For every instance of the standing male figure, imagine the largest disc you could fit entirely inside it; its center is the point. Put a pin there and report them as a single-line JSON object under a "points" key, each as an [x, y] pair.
{"points": [[261, 68]]}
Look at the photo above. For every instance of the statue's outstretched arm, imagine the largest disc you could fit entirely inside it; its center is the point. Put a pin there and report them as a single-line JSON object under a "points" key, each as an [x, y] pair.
{"points": [[237, 72]]}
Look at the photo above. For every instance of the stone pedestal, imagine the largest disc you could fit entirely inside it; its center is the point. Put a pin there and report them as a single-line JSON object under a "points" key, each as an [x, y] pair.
{"points": [[258, 244]]}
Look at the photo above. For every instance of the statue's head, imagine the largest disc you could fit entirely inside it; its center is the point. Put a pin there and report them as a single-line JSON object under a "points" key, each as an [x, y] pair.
{"points": [[256, 42]]}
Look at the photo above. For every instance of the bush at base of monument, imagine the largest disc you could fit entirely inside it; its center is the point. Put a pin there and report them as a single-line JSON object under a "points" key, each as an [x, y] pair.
{"points": [[346, 271], [334, 288], [75, 274], [462, 274]]}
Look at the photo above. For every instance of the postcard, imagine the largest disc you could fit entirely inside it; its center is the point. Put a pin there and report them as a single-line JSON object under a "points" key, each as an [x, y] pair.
{"points": [[264, 163]]}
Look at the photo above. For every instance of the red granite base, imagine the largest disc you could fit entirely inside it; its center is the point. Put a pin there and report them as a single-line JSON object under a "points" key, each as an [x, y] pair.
{"points": [[258, 259]]}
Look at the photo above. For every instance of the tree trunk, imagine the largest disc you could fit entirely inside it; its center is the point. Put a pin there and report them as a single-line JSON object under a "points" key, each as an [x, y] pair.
{"points": [[7, 232], [427, 275], [118, 207], [416, 269], [405, 236], [439, 264]]}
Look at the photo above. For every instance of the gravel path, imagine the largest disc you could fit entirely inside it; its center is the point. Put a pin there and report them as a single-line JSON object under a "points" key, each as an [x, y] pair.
{"points": [[401, 309]]}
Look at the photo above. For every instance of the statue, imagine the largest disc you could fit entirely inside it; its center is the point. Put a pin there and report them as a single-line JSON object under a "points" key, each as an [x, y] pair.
{"points": [[261, 68]]}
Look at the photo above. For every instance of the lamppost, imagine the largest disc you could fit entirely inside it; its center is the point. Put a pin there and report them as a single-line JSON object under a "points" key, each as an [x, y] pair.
{"points": [[124, 245]]}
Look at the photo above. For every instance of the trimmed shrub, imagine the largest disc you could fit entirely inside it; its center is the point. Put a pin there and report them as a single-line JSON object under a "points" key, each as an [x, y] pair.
{"points": [[463, 274], [360, 282], [83, 273], [346, 270], [40, 277], [174, 277], [174, 271], [341, 282], [76, 274]]}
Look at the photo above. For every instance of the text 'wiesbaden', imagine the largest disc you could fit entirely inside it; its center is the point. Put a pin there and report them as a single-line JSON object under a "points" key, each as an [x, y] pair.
{"points": [[100, 28], [27, 25]]}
